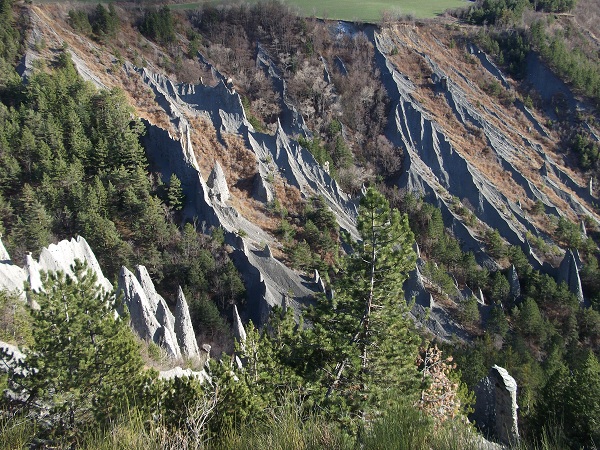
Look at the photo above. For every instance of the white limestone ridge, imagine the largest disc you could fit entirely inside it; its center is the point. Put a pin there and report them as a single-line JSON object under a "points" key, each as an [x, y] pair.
{"points": [[147, 285], [33, 273], [141, 316], [568, 272], [184, 329], [61, 256], [149, 314]]}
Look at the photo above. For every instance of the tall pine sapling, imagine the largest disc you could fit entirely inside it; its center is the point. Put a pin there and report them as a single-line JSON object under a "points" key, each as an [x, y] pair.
{"points": [[363, 340]]}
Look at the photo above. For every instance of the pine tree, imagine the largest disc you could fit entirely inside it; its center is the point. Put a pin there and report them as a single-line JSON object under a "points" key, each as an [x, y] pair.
{"points": [[83, 360], [175, 197], [363, 338]]}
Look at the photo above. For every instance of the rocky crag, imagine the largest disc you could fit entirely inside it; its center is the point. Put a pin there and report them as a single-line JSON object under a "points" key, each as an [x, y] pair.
{"points": [[496, 406], [150, 316]]}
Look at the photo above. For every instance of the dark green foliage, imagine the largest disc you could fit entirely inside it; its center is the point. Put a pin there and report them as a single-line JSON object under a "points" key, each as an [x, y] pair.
{"points": [[193, 45], [497, 323], [74, 165], [499, 288], [105, 22], [572, 398], [83, 361], [318, 150], [496, 12], [469, 313], [80, 21], [510, 48], [15, 321], [554, 5], [203, 267], [363, 339], [175, 197], [316, 244], [158, 25], [571, 64], [587, 150], [9, 33], [495, 244], [529, 322]]}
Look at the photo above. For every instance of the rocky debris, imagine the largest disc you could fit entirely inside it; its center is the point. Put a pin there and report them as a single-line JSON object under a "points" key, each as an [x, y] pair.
{"points": [[527, 113], [416, 249], [433, 166], [223, 107], [568, 272], [184, 329], [33, 270], [141, 314], [467, 293], [13, 278], [548, 85], [295, 165], [515, 286], [147, 285], [63, 255], [340, 66], [165, 317], [437, 170], [496, 406], [178, 372], [262, 190], [480, 298], [326, 74], [218, 184], [267, 251], [149, 314], [238, 327]]}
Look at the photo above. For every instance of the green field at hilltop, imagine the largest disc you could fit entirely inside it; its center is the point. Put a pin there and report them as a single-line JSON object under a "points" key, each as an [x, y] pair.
{"points": [[363, 10]]}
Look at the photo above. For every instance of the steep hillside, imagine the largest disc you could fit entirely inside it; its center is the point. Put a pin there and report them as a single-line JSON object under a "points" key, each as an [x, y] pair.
{"points": [[262, 131]]}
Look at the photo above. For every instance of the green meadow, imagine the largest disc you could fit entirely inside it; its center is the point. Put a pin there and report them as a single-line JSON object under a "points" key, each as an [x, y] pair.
{"points": [[361, 10]]}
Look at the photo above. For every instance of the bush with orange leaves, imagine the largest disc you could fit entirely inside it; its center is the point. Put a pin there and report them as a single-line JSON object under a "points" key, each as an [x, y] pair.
{"points": [[440, 395]]}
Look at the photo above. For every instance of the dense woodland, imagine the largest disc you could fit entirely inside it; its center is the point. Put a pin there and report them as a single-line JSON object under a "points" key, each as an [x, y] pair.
{"points": [[72, 163]]}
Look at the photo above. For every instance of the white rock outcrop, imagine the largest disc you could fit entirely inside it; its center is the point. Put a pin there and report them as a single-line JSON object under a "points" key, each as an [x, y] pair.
{"points": [[218, 184], [184, 329], [150, 317], [178, 372], [55, 257], [568, 272], [496, 406], [238, 327]]}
